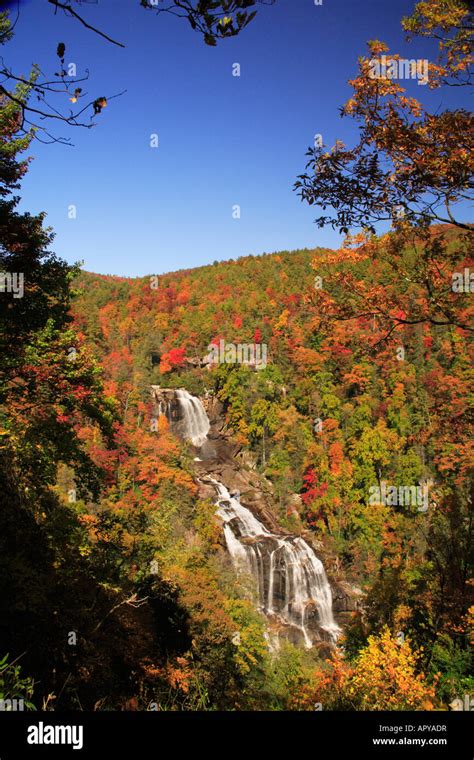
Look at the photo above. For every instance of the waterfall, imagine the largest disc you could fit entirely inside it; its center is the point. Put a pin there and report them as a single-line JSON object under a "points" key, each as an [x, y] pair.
{"points": [[193, 424], [290, 580], [292, 589]]}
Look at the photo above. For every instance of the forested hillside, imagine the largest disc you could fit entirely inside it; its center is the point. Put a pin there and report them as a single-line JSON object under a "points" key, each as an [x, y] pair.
{"points": [[342, 406], [135, 574]]}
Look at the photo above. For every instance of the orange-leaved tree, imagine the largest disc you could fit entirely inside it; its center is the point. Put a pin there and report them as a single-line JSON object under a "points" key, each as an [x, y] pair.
{"points": [[409, 163]]}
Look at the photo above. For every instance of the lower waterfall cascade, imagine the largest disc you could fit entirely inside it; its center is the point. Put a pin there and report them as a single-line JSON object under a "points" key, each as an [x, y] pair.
{"points": [[290, 582]]}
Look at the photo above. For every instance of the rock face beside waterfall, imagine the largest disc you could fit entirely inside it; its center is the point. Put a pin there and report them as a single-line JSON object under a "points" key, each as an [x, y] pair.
{"points": [[280, 571]]}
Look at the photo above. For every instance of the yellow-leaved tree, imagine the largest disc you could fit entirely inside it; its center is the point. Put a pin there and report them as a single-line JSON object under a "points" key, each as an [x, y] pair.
{"points": [[384, 676]]}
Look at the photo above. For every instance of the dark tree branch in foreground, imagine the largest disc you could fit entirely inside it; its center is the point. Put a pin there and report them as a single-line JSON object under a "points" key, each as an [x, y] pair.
{"points": [[214, 19], [67, 8]]}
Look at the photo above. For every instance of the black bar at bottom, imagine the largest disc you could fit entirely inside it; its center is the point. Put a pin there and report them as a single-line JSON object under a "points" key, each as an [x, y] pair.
{"points": [[133, 734]]}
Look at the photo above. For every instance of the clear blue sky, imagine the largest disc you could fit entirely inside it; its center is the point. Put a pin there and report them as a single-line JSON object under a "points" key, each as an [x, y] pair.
{"points": [[223, 140]]}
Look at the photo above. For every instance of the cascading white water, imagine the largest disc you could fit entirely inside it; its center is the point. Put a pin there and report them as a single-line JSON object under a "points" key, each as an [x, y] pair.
{"points": [[194, 423], [290, 579]]}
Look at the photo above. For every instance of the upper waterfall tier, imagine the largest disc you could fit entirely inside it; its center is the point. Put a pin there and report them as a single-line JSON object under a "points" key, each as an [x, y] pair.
{"points": [[185, 413], [194, 421]]}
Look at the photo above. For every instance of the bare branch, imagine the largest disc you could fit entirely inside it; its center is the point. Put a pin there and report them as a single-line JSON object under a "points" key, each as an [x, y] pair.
{"points": [[132, 601], [67, 9]]}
